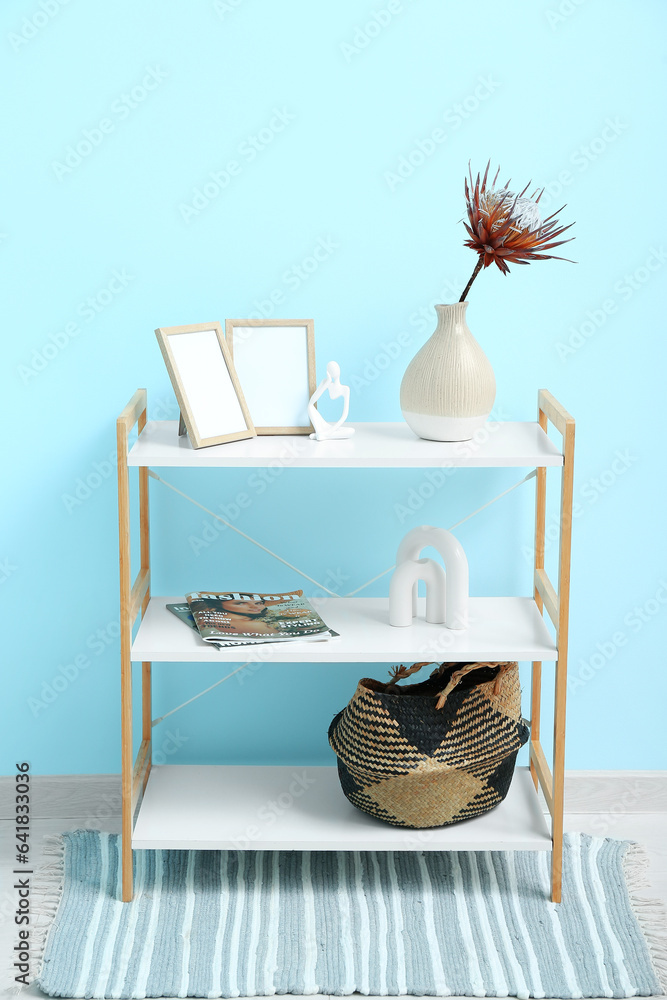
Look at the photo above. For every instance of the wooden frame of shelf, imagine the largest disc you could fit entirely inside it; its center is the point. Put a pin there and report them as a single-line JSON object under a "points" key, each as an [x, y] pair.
{"points": [[135, 595], [134, 598], [557, 606]]}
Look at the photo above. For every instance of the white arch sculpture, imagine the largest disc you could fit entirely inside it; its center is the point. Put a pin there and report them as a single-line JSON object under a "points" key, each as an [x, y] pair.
{"points": [[446, 590]]}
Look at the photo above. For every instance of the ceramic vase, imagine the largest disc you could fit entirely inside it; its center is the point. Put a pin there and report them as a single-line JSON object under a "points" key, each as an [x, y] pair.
{"points": [[449, 387]]}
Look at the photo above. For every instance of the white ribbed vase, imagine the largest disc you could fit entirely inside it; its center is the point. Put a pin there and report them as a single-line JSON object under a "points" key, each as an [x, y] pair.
{"points": [[449, 387]]}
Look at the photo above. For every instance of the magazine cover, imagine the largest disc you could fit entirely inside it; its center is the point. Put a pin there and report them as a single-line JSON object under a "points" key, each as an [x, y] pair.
{"points": [[247, 616], [182, 611]]}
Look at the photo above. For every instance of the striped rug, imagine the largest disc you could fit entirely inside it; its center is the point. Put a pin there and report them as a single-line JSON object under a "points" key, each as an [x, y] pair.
{"points": [[224, 924]]}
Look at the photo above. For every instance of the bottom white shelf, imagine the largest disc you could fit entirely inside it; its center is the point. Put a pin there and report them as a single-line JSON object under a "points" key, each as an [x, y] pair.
{"points": [[213, 807]]}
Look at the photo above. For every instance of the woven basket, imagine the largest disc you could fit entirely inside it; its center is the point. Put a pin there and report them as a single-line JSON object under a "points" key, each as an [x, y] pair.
{"points": [[433, 753]]}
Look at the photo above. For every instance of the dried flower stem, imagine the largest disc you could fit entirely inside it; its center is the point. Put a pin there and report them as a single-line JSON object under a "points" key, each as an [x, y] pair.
{"points": [[478, 268]]}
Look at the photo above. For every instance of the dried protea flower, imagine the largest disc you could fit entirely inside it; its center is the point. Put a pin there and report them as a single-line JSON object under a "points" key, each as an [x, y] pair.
{"points": [[507, 228]]}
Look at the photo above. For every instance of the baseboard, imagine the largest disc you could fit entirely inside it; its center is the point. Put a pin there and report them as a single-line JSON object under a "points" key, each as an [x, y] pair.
{"points": [[92, 797], [615, 791], [67, 796]]}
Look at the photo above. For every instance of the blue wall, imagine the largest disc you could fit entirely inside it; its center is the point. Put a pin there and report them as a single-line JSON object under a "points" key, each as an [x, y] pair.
{"points": [[102, 245]]}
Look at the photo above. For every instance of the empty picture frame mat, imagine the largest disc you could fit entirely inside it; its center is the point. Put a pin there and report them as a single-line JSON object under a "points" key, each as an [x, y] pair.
{"points": [[211, 386], [309, 385]]}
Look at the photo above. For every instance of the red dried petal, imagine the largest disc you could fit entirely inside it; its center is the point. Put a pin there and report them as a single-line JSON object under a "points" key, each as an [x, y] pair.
{"points": [[493, 232]]}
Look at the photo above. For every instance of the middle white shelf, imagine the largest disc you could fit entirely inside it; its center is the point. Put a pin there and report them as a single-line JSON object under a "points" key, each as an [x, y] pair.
{"points": [[501, 628]]}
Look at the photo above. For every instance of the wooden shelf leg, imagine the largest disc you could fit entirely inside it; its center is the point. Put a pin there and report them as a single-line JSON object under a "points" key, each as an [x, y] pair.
{"points": [[132, 599], [127, 766], [535, 709], [558, 783], [560, 697], [144, 535], [125, 661]]}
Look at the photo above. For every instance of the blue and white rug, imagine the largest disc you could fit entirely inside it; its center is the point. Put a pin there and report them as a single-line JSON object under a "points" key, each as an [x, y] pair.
{"points": [[234, 923]]}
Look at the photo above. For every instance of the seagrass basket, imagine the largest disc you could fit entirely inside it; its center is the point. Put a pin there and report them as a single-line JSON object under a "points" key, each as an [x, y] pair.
{"points": [[432, 753]]}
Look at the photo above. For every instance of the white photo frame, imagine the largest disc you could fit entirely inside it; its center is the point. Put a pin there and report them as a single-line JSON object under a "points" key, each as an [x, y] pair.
{"points": [[207, 387], [275, 362]]}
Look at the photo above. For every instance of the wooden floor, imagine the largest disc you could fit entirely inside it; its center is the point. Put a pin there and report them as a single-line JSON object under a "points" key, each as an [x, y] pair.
{"points": [[627, 805]]}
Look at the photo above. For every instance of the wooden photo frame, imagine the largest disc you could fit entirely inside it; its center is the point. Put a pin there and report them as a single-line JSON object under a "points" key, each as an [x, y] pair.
{"points": [[207, 387], [275, 361]]}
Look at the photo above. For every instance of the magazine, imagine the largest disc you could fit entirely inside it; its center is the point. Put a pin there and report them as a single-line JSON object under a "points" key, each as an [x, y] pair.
{"points": [[243, 616], [182, 611]]}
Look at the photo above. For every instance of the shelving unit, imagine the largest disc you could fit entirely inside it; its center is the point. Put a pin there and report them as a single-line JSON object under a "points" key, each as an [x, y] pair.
{"points": [[215, 807]]}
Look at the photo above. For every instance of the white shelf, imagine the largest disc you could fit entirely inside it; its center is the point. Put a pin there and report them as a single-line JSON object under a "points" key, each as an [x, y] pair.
{"points": [[501, 628], [374, 445], [209, 807]]}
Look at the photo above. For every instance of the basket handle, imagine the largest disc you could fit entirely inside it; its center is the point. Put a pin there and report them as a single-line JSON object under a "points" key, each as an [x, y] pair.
{"points": [[458, 675], [400, 673]]}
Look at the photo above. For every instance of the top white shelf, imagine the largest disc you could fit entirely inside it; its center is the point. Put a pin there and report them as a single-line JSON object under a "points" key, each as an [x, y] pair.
{"points": [[380, 446]]}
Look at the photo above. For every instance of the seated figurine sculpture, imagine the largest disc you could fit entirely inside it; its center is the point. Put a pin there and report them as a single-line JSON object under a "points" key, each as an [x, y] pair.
{"points": [[324, 431]]}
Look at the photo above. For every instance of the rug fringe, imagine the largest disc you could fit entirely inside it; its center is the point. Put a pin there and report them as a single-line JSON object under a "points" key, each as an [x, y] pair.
{"points": [[651, 914], [47, 890]]}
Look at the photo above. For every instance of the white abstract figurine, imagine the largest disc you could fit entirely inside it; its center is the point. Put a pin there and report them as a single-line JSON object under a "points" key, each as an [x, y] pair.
{"points": [[446, 592], [325, 431]]}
